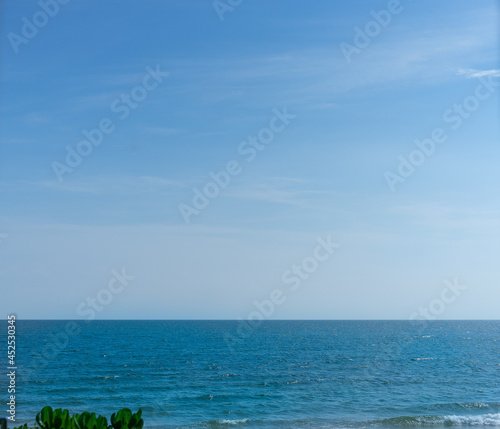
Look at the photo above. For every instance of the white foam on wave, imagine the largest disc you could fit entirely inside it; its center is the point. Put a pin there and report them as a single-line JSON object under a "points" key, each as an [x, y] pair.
{"points": [[232, 422], [483, 420]]}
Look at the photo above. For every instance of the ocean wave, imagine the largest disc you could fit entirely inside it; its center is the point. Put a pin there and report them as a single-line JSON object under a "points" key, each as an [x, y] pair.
{"points": [[423, 358], [451, 420], [494, 406], [221, 423], [231, 422]]}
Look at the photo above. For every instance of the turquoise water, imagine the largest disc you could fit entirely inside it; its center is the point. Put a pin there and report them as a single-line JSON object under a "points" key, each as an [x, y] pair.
{"points": [[281, 374]]}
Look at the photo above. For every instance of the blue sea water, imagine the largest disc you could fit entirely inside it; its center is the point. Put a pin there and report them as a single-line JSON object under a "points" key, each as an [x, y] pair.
{"points": [[279, 374]]}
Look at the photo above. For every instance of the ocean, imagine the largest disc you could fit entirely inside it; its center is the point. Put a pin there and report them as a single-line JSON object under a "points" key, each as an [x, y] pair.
{"points": [[272, 374]]}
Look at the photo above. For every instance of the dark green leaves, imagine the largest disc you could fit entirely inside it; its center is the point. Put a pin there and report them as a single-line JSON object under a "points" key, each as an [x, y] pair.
{"points": [[60, 419], [124, 419]]}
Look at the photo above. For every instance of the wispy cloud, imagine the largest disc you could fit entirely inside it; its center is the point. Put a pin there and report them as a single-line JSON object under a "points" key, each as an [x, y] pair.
{"points": [[474, 73], [450, 217], [164, 131], [280, 190], [310, 77], [103, 185]]}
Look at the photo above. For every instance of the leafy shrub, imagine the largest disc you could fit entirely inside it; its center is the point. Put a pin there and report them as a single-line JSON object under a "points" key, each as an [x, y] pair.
{"points": [[60, 419], [124, 419], [55, 419]]}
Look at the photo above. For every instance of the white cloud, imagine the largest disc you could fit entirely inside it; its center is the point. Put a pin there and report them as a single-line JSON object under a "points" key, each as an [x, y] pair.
{"points": [[115, 184], [279, 190], [164, 131], [474, 73]]}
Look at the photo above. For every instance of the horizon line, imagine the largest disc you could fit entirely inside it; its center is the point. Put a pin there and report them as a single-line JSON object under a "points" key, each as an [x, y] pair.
{"points": [[267, 320]]}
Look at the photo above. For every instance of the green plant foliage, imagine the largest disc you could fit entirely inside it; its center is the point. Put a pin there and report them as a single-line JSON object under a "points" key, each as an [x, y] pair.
{"points": [[48, 418], [90, 421], [55, 419], [124, 419]]}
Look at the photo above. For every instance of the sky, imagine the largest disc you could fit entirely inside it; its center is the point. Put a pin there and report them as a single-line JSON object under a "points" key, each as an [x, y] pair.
{"points": [[212, 159]]}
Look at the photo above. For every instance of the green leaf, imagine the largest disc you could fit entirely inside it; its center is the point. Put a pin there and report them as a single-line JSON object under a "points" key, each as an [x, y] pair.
{"points": [[61, 419], [44, 417]]}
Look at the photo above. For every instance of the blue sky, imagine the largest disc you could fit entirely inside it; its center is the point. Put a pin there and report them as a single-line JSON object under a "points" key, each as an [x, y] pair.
{"points": [[322, 174]]}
